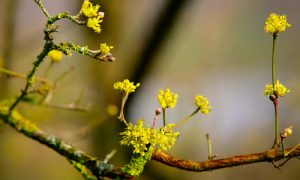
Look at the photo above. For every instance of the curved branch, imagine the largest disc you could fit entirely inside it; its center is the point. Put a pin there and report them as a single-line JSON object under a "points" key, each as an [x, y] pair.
{"points": [[209, 165], [29, 129], [101, 169]]}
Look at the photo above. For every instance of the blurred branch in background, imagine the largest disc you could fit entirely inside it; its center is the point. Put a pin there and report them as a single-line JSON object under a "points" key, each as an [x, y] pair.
{"points": [[160, 31], [8, 39]]}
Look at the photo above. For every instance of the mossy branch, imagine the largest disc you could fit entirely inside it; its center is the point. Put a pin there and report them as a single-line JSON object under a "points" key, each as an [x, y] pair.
{"points": [[99, 168], [84, 50], [42, 7]]}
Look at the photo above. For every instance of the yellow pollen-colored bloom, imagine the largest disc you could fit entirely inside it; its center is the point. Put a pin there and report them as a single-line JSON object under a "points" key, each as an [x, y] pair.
{"points": [[55, 55], [276, 23], [279, 89], [140, 137], [126, 86], [203, 103], [94, 23], [89, 10], [104, 48], [167, 98]]}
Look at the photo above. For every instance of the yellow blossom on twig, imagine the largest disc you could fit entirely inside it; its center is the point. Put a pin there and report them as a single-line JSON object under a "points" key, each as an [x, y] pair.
{"points": [[126, 86], [55, 55], [104, 48], [203, 103], [276, 23], [141, 138], [94, 23], [89, 10], [278, 89], [167, 98]]}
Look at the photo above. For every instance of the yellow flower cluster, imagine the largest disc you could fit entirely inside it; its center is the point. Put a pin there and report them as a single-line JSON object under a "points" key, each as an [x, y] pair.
{"points": [[278, 89], [55, 55], [126, 86], [167, 98], [276, 23], [94, 17], [140, 137], [164, 138], [89, 10], [203, 103], [104, 48], [137, 136]]}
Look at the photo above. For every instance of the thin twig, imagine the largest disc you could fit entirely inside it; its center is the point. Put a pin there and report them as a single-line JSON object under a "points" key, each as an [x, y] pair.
{"points": [[41, 5], [281, 164], [10, 73], [70, 107], [109, 156], [66, 15], [84, 50]]}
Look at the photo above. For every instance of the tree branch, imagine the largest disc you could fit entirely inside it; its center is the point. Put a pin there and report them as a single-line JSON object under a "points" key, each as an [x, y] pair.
{"points": [[209, 165], [101, 169], [29, 129]]}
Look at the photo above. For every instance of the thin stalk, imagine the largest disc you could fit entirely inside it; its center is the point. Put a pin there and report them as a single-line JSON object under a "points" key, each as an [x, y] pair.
{"points": [[164, 116], [273, 60], [276, 141], [291, 150], [41, 5], [209, 147], [20, 75], [188, 118], [48, 69], [121, 115]]}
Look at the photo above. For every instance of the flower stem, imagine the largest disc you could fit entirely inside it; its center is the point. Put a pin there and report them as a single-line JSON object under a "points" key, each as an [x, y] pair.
{"points": [[276, 141], [273, 60], [164, 116], [121, 115], [187, 118], [209, 147]]}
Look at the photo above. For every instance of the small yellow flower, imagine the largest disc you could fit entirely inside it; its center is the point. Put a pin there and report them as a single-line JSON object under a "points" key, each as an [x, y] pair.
{"points": [[55, 55], [167, 98], [104, 48], [279, 89], [276, 23], [289, 130], [203, 103], [126, 86], [94, 23], [89, 10]]}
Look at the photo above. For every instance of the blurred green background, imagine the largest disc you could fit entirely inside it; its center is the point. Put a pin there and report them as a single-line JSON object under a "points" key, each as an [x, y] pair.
{"points": [[216, 48]]}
